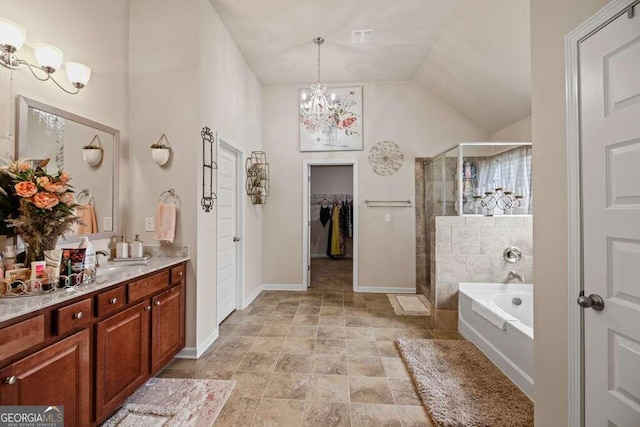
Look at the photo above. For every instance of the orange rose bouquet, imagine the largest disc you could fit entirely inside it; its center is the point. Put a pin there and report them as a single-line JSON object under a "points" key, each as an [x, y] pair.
{"points": [[36, 205]]}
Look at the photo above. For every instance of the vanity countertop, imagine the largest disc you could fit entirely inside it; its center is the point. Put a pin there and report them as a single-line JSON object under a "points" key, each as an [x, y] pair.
{"points": [[11, 308]]}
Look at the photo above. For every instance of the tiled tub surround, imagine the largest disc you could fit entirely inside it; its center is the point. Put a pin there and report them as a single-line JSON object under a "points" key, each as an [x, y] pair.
{"points": [[469, 249], [11, 308]]}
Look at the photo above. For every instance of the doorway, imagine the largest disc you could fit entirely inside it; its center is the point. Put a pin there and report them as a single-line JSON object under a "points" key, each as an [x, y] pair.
{"points": [[330, 235], [229, 282]]}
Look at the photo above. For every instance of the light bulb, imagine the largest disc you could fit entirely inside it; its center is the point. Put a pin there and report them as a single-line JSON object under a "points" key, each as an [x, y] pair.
{"points": [[49, 57], [12, 35], [78, 74]]}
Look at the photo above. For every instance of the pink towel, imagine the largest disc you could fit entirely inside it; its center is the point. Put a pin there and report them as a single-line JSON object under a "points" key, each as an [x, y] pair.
{"points": [[165, 228]]}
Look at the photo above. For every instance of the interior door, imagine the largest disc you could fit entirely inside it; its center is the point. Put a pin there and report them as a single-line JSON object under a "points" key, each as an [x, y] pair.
{"points": [[610, 168], [228, 239]]}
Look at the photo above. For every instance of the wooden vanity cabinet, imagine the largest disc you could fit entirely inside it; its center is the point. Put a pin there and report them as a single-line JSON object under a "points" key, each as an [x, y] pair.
{"points": [[167, 326], [56, 375]]}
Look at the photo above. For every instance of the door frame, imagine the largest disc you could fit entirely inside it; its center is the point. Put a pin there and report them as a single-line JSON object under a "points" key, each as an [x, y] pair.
{"points": [[306, 203], [223, 142], [576, 320]]}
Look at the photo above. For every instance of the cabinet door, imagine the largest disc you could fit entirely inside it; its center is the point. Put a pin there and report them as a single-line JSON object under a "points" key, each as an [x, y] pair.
{"points": [[122, 357], [167, 337], [58, 375]]}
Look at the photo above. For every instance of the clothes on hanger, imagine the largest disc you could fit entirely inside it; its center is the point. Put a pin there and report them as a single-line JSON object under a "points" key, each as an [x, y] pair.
{"points": [[325, 215]]}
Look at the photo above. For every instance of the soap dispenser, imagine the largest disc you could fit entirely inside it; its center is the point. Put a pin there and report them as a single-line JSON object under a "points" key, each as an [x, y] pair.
{"points": [[122, 248], [136, 248]]}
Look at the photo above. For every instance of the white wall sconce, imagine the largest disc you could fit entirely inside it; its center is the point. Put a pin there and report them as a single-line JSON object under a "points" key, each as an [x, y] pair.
{"points": [[92, 153], [49, 58], [161, 151]]}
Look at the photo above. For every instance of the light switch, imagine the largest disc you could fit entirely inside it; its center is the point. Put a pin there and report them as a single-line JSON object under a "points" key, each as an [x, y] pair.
{"points": [[149, 224], [387, 217], [107, 223]]}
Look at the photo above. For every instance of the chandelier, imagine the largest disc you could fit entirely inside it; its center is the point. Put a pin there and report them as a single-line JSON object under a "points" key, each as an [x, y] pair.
{"points": [[314, 105]]}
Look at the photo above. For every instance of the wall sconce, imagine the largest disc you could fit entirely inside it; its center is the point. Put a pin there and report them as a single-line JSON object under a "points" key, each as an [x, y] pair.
{"points": [[257, 184], [161, 151], [49, 58], [92, 153]]}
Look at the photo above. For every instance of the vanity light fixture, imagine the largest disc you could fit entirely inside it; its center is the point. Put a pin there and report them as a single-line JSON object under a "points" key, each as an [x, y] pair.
{"points": [[49, 58]]}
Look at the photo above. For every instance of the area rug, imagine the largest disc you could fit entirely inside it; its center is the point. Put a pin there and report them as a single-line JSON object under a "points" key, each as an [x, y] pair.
{"points": [[460, 387], [410, 305], [173, 402]]}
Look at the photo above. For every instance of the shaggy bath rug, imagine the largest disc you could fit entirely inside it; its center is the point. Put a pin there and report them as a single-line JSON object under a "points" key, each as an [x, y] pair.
{"points": [[173, 402], [410, 305], [461, 387]]}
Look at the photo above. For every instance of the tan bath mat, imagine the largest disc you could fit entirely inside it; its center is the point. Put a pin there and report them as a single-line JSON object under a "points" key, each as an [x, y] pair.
{"points": [[410, 305]]}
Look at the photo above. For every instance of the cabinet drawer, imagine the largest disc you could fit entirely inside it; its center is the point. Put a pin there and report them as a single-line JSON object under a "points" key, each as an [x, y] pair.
{"points": [[21, 336], [72, 316], [177, 274], [148, 286], [110, 301]]}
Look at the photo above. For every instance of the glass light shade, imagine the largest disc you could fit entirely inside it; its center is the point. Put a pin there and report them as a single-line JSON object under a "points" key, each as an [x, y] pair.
{"points": [[12, 34], [77, 73], [48, 57]]}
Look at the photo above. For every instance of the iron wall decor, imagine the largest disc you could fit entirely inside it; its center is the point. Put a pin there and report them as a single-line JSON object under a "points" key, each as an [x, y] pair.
{"points": [[257, 183], [207, 169]]}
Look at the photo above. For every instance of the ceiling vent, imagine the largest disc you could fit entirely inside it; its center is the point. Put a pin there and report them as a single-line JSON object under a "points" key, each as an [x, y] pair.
{"points": [[362, 36]]}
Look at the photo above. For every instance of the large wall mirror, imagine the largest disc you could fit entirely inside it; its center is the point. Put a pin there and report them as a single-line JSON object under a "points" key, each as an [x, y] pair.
{"points": [[46, 132]]}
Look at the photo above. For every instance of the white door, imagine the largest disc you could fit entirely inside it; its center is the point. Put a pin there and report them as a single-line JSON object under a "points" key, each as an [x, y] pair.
{"points": [[228, 240], [610, 168]]}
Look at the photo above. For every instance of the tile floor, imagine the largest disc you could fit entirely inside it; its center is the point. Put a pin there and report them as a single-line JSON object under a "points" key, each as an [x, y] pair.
{"points": [[325, 357]]}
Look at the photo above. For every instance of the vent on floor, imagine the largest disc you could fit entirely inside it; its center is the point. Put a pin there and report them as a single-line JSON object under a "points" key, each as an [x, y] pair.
{"points": [[362, 36]]}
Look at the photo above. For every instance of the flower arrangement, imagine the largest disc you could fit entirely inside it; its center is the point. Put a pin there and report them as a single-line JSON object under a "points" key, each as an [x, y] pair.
{"points": [[37, 205]]}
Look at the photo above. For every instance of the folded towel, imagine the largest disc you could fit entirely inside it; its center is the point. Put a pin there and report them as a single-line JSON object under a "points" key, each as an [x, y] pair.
{"points": [[89, 221], [165, 228], [490, 311]]}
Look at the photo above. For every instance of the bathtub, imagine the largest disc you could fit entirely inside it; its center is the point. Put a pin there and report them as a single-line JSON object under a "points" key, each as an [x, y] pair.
{"points": [[511, 348]]}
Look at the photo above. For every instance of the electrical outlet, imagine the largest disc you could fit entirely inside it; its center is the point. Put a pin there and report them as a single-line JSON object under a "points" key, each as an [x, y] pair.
{"points": [[107, 223], [149, 224], [387, 217]]}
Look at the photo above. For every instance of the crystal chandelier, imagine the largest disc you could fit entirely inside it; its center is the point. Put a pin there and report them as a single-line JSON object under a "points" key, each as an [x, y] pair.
{"points": [[314, 105]]}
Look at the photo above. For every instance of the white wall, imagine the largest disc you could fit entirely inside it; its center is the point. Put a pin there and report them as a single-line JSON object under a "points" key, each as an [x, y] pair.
{"points": [[94, 33], [551, 20], [519, 131], [404, 112]]}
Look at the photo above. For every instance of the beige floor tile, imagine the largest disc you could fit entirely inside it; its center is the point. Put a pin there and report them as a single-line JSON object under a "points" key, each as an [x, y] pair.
{"points": [[329, 388], [247, 330], [308, 310], [267, 345], [280, 413], [334, 347], [388, 349], [258, 362], [331, 321], [298, 345], [330, 365], [404, 392], [287, 386], [302, 331], [238, 411], [327, 414], [301, 319], [414, 416], [370, 390], [280, 319], [332, 311], [294, 363], [275, 330], [170, 373], [331, 332], [366, 367], [362, 334], [363, 415], [362, 348], [236, 344], [394, 367], [251, 384]]}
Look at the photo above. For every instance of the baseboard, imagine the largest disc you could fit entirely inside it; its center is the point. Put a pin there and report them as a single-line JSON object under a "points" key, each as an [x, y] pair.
{"points": [[325, 256], [284, 287], [248, 300], [196, 352], [386, 290]]}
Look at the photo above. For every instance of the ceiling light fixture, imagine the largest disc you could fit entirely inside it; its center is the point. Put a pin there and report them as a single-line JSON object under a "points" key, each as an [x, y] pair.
{"points": [[49, 58], [314, 105]]}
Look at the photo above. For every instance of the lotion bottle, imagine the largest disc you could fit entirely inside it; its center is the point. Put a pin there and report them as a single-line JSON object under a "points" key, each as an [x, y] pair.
{"points": [[136, 248], [122, 248]]}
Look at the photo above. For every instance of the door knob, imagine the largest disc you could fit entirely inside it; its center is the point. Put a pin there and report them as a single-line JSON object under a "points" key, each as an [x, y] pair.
{"points": [[594, 301], [236, 239]]}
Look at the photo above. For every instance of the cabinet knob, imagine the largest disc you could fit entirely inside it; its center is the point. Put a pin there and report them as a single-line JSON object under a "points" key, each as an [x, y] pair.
{"points": [[147, 308], [180, 273], [11, 380], [156, 303], [113, 300], [78, 315]]}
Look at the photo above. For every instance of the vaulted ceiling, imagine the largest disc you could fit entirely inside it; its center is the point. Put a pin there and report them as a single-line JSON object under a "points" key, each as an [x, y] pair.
{"points": [[474, 54]]}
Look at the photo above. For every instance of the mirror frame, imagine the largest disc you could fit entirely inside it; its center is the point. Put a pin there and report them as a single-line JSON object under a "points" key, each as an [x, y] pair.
{"points": [[23, 104]]}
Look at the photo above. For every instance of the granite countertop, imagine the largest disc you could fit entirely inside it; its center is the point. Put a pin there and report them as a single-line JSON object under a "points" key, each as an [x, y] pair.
{"points": [[10, 308]]}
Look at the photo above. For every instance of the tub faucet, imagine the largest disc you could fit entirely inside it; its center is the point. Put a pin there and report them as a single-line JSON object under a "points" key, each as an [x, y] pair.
{"points": [[103, 253], [513, 275]]}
